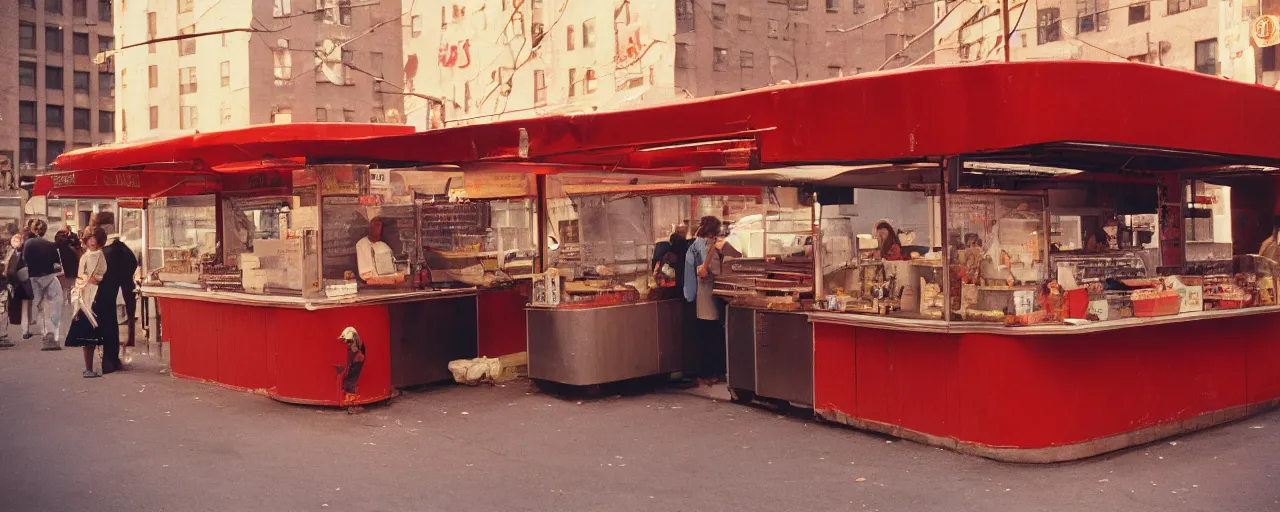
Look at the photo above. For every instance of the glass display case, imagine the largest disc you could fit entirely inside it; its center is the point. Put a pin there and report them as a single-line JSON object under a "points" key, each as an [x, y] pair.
{"points": [[998, 263], [882, 255], [181, 236]]}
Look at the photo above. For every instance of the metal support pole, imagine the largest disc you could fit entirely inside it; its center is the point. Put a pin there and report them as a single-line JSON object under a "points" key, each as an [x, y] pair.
{"points": [[1004, 24]]}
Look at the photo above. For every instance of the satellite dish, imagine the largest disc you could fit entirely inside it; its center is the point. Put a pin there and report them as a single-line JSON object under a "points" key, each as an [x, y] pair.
{"points": [[329, 60]]}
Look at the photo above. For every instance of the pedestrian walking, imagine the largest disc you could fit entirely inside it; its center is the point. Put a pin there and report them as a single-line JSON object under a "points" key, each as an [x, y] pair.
{"points": [[43, 267], [19, 286], [87, 308]]}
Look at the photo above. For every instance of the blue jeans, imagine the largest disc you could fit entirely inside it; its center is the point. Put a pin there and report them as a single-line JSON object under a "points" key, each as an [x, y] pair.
{"points": [[46, 305]]}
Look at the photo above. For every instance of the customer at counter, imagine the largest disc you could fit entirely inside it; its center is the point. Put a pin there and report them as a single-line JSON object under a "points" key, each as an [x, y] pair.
{"points": [[702, 263]]}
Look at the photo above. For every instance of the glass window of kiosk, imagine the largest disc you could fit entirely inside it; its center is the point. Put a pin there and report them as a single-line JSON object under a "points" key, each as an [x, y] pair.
{"points": [[881, 254], [998, 264], [259, 250], [475, 229], [181, 235]]}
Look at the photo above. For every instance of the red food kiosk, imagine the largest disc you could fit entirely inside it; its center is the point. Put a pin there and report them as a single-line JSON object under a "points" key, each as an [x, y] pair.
{"points": [[252, 250], [1028, 262]]}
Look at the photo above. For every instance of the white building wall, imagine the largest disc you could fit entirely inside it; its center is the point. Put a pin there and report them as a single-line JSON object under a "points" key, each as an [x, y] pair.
{"points": [[479, 56]]}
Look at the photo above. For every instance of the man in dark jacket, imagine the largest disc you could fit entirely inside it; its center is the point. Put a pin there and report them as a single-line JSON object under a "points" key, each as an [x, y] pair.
{"points": [[69, 252], [121, 265], [42, 260]]}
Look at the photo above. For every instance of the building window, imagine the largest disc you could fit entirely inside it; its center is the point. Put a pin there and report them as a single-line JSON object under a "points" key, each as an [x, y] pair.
{"points": [[189, 118], [104, 10], [53, 6], [774, 27], [589, 34], [26, 36], [747, 60], [53, 39], [744, 19], [1092, 16], [348, 115], [27, 151], [53, 78], [80, 43], [53, 148], [153, 76], [151, 31], [415, 24], [80, 8], [124, 82], [344, 12], [106, 85], [834, 72], [1139, 13], [80, 118], [106, 43], [685, 16], [53, 116], [187, 80], [106, 121], [573, 83], [27, 74], [1180, 6], [538, 30], [719, 15], [224, 69], [539, 87], [833, 5], [799, 5], [280, 8], [322, 115], [682, 55], [589, 82], [27, 113], [721, 59], [348, 57], [1207, 57], [155, 118], [186, 5], [569, 39], [187, 46], [30, 4], [283, 67], [1048, 26], [80, 82]]}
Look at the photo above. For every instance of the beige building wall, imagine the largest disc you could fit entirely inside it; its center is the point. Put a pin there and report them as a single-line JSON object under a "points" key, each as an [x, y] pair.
{"points": [[53, 97], [507, 59], [1163, 33], [482, 59], [266, 76], [735, 45]]}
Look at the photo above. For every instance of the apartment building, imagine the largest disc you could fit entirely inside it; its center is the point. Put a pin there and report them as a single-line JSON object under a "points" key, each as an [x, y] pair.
{"points": [[487, 60], [1205, 36], [258, 62], [53, 97], [735, 45]]}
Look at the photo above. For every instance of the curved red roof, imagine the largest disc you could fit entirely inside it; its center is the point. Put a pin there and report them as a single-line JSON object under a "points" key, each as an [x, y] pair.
{"points": [[215, 150]]}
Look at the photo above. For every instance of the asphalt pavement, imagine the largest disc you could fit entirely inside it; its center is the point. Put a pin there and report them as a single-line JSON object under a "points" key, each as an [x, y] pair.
{"points": [[145, 441]]}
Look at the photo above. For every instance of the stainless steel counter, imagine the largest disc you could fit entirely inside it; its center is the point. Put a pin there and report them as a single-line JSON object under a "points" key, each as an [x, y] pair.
{"points": [[584, 347], [769, 355]]}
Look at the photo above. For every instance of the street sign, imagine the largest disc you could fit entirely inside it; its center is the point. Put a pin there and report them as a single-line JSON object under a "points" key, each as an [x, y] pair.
{"points": [[1266, 31]]}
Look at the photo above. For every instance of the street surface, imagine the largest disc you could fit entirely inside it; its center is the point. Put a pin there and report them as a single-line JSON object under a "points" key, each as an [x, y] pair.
{"points": [[145, 441]]}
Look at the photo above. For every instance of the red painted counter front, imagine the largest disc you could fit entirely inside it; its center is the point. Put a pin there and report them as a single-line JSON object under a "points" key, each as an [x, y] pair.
{"points": [[1046, 397], [292, 354]]}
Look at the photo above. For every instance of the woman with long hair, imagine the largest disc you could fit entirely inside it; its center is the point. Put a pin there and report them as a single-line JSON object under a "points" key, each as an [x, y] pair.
{"points": [[889, 248], [90, 312], [702, 264]]}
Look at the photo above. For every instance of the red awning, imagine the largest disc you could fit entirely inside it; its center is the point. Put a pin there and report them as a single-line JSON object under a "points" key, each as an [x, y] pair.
{"points": [[216, 150], [98, 183]]}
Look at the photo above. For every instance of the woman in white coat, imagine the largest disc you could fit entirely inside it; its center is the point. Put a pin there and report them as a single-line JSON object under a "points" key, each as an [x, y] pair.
{"points": [[85, 313]]}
